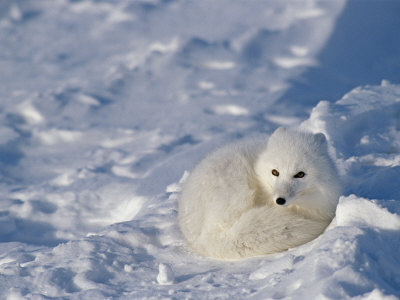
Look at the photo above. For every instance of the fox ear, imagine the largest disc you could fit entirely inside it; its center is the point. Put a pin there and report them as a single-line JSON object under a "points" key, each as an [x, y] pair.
{"points": [[320, 138], [280, 130]]}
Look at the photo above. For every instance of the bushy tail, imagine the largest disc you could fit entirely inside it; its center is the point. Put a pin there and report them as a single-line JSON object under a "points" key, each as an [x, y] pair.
{"points": [[259, 231]]}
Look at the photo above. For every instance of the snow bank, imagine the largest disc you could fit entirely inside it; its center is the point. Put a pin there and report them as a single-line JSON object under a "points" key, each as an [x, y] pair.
{"points": [[364, 128]]}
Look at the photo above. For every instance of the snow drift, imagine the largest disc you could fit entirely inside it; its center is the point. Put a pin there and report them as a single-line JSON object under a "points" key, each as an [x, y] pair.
{"points": [[147, 258]]}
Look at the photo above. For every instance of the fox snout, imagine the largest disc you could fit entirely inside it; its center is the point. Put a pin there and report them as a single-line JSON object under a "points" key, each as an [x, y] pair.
{"points": [[284, 199], [284, 193], [280, 201]]}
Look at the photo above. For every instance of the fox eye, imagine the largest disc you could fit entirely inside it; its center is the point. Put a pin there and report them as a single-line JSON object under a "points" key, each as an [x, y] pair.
{"points": [[275, 172], [301, 174]]}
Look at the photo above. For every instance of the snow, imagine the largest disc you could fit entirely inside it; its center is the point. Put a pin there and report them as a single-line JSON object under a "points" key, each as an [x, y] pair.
{"points": [[106, 106], [165, 274]]}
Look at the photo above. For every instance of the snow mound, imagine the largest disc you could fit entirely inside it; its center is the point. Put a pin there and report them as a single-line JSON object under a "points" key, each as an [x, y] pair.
{"points": [[364, 129], [165, 274]]}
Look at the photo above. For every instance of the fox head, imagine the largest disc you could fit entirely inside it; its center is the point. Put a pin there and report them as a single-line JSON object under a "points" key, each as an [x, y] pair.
{"points": [[296, 170]]}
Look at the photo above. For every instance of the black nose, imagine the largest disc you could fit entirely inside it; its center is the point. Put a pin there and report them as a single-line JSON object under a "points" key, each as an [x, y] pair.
{"points": [[280, 201]]}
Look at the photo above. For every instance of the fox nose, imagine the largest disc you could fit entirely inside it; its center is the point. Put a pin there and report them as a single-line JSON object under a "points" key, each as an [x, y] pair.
{"points": [[280, 201]]}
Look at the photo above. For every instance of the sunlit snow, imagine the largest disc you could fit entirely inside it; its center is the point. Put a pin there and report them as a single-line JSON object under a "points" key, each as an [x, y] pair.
{"points": [[106, 107]]}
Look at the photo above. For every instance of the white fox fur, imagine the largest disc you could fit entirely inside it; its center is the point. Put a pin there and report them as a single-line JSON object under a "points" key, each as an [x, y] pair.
{"points": [[228, 207]]}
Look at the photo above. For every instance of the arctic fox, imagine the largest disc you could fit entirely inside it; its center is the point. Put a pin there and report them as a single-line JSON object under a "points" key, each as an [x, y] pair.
{"points": [[256, 198]]}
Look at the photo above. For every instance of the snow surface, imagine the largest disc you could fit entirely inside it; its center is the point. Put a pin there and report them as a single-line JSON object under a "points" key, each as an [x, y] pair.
{"points": [[105, 106]]}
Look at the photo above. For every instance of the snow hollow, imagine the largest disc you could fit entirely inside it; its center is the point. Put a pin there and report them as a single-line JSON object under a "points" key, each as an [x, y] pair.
{"points": [[105, 106]]}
